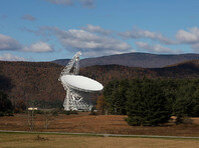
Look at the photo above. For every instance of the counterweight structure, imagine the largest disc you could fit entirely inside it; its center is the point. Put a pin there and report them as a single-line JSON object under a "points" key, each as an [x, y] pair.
{"points": [[74, 97]]}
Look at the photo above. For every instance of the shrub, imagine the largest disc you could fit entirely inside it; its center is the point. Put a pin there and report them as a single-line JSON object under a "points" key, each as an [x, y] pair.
{"points": [[38, 112], [5, 104], [93, 111], [65, 112], [2, 114], [55, 113], [73, 112]]}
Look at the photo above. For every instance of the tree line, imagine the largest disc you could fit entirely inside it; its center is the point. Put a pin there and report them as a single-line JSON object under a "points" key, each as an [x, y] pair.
{"points": [[151, 101]]}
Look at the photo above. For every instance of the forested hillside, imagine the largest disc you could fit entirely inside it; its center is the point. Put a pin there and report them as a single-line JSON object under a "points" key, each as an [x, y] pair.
{"points": [[38, 81], [105, 73], [31, 81]]}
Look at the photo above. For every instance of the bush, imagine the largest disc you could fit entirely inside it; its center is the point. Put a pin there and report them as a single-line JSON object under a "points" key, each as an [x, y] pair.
{"points": [[187, 121], [68, 112], [2, 114], [147, 104], [20, 106], [93, 111], [7, 113], [55, 113], [73, 112], [38, 112], [5, 104], [65, 112]]}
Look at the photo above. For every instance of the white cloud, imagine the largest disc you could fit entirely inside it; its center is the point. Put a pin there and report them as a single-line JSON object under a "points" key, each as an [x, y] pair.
{"points": [[95, 40], [156, 48], [60, 2], [38, 47], [90, 44], [138, 33], [195, 47], [8, 43], [28, 17], [10, 57], [190, 37], [96, 29], [85, 3]]}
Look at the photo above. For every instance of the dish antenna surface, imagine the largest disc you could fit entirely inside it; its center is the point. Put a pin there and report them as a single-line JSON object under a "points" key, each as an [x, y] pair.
{"points": [[77, 87]]}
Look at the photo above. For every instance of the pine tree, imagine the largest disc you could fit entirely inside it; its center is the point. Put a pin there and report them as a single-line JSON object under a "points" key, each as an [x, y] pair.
{"points": [[115, 96], [147, 104]]}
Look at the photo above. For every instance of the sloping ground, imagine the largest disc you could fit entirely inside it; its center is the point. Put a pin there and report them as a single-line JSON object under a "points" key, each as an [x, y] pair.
{"points": [[112, 124]]}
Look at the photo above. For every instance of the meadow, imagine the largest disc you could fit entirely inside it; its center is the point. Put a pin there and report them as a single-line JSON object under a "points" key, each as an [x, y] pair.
{"points": [[23, 140], [106, 124]]}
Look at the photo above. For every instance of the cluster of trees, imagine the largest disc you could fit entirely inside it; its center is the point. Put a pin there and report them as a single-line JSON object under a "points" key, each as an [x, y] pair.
{"points": [[43, 104], [151, 101], [8, 107]]}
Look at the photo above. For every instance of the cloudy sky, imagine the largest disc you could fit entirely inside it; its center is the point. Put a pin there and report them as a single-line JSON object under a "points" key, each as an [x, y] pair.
{"points": [[45, 30]]}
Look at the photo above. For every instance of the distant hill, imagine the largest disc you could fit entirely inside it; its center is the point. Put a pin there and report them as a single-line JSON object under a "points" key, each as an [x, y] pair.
{"points": [[62, 62], [188, 69], [144, 60], [32, 81], [105, 73]]}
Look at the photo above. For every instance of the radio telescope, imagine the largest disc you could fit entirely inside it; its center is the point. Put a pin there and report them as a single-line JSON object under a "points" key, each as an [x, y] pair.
{"points": [[77, 87]]}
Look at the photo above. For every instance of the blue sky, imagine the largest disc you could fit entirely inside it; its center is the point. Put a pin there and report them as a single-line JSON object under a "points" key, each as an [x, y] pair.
{"points": [[45, 30]]}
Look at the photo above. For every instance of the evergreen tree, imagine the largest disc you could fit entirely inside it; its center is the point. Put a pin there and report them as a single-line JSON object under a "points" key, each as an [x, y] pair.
{"points": [[187, 100], [115, 97], [5, 103], [147, 104]]}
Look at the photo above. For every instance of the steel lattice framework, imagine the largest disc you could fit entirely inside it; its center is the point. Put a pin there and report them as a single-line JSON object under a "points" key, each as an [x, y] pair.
{"points": [[74, 97]]}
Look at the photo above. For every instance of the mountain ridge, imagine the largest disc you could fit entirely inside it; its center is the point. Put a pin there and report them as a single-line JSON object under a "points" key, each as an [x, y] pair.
{"points": [[136, 59]]}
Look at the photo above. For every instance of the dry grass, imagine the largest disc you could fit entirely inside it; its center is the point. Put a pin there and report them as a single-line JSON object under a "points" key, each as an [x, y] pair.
{"points": [[114, 124], [58, 141]]}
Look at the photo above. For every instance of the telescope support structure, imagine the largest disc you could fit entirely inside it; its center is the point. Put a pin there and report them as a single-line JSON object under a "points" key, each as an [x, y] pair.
{"points": [[73, 100]]}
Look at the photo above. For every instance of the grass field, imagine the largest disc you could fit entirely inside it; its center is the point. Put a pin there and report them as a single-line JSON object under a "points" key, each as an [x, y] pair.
{"points": [[75, 141], [84, 123]]}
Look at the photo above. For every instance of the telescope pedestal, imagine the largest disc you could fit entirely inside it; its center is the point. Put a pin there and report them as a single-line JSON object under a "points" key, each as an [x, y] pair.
{"points": [[73, 101]]}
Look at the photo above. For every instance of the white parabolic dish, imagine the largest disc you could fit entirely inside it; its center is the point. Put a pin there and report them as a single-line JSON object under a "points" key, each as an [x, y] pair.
{"points": [[81, 83]]}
